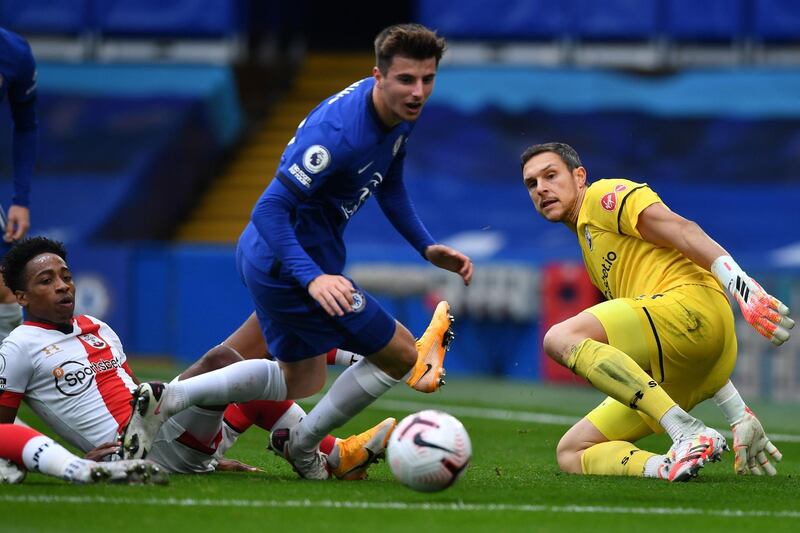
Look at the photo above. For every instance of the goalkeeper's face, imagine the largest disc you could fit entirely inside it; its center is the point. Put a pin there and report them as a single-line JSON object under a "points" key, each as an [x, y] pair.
{"points": [[401, 92], [49, 295], [556, 192]]}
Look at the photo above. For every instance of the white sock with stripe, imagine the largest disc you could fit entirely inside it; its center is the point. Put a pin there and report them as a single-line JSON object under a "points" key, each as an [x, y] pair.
{"points": [[43, 454], [355, 389]]}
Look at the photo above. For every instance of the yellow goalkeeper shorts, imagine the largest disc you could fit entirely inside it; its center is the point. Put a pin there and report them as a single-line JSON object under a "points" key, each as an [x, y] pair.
{"points": [[684, 338]]}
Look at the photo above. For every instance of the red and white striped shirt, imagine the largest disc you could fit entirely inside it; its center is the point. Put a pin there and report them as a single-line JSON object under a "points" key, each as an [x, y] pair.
{"points": [[78, 382]]}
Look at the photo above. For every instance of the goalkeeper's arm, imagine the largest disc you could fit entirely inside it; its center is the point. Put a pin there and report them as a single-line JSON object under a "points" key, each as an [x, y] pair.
{"points": [[659, 225], [750, 443]]}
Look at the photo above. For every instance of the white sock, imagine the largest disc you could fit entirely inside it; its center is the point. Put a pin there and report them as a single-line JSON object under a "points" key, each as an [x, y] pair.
{"points": [[43, 454], [730, 403], [256, 379], [345, 358], [651, 467], [355, 389], [290, 418], [677, 423]]}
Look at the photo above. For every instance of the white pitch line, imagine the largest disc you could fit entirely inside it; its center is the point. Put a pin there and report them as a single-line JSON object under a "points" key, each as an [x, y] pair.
{"points": [[394, 506], [520, 416]]}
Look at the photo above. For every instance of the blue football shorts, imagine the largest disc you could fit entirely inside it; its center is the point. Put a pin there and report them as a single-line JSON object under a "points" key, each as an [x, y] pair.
{"points": [[296, 327]]}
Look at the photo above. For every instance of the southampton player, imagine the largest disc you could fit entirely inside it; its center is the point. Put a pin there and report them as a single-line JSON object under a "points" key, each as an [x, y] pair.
{"points": [[292, 255], [18, 82], [664, 341], [23, 448], [72, 371]]}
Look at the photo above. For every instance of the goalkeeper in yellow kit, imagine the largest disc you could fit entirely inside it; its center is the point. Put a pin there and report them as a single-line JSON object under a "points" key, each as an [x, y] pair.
{"points": [[664, 340]]}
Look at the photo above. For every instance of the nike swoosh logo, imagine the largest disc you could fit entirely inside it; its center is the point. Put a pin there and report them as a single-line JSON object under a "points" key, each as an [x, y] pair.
{"points": [[419, 441], [426, 371], [360, 170]]}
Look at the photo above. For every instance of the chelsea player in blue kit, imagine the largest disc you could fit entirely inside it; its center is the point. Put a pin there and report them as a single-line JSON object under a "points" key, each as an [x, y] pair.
{"points": [[292, 254], [18, 84]]}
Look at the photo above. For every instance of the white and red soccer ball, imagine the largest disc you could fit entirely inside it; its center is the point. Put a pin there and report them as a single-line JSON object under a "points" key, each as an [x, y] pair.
{"points": [[429, 450]]}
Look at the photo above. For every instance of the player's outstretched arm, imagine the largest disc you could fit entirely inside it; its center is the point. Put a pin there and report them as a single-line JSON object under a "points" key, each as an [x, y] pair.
{"points": [[752, 448], [765, 313]]}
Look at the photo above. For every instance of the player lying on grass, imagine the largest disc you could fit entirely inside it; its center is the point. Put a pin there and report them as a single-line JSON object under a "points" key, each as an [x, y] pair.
{"points": [[23, 448], [665, 339], [73, 372]]}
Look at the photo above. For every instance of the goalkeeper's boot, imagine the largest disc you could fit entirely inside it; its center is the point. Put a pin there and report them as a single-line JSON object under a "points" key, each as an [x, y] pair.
{"points": [[690, 453], [312, 465], [428, 373], [145, 421], [358, 452], [10, 473]]}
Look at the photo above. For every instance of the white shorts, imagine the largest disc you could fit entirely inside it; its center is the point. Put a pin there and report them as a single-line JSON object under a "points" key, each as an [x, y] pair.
{"points": [[192, 441]]}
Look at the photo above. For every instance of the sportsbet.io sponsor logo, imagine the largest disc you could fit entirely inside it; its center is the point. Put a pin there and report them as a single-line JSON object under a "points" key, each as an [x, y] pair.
{"points": [[73, 378], [608, 262]]}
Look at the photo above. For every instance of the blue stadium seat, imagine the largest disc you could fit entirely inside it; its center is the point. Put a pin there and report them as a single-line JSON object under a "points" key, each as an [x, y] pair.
{"points": [[709, 20], [176, 18], [776, 20], [616, 20], [65, 17], [501, 19]]}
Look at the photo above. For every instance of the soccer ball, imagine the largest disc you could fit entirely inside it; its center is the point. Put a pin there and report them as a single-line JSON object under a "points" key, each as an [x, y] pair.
{"points": [[429, 450]]}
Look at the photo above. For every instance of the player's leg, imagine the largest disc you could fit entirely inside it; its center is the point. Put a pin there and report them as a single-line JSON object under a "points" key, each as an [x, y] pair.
{"points": [[581, 343], [28, 449], [602, 444]]}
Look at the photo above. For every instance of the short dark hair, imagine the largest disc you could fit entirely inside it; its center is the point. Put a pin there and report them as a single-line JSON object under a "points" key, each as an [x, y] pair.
{"points": [[414, 41], [15, 261], [566, 152]]}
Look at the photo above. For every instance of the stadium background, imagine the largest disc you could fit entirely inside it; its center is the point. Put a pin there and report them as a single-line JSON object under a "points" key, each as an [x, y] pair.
{"points": [[162, 122]]}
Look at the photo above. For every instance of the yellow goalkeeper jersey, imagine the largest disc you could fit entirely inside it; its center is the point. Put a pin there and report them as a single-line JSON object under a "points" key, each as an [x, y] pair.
{"points": [[620, 263]]}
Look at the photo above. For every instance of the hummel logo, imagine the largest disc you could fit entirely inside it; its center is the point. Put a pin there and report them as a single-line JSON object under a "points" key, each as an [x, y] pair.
{"points": [[361, 170]]}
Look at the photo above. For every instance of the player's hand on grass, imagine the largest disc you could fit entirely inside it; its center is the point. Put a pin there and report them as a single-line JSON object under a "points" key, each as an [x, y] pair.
{"points": [[450, 259], [232, 465], [333, 293], [751, 446], [102, 451], [768, 315]]}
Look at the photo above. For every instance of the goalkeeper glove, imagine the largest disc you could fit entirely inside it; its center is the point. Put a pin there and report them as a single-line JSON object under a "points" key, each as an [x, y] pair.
{"points": [[751, 446], [764, 312]]}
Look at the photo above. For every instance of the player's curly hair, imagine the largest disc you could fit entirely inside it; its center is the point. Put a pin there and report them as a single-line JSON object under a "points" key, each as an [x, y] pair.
{"points": [[566, 152], [414, 41], [15, 261]]}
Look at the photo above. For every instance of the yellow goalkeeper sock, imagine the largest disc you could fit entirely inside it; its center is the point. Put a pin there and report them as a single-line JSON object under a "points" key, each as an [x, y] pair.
{"points": [[614, 458], [610, 371]]}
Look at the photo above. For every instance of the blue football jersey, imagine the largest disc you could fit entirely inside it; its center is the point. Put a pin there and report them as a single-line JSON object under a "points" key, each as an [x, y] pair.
{"points": [[341, 155], [17, 68], [18, 83]]}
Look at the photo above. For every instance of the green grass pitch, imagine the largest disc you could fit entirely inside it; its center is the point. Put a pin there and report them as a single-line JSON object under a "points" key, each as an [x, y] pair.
{"points": [[513, 483]]}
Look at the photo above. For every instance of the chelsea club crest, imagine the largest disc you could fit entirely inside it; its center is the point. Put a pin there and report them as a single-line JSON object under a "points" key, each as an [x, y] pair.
{"points": [[358, 302]]}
